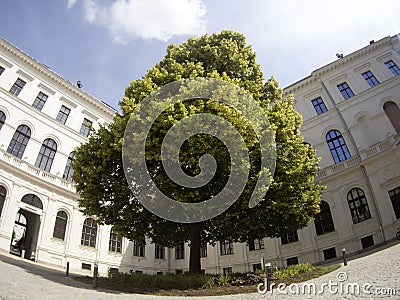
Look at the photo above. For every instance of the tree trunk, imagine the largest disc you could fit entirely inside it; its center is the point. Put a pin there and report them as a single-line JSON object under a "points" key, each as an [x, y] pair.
{"points": [[195, 243]]}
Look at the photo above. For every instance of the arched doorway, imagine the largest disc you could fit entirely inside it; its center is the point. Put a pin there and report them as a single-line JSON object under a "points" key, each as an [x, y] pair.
{"points": [[26, 227], [18, 235]]}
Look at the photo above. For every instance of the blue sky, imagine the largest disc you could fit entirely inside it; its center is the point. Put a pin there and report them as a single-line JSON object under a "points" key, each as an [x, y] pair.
{"points": [[107, 43]]}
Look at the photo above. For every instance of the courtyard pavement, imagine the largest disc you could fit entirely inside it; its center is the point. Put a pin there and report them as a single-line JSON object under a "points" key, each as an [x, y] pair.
{"points": [[372, 276]]}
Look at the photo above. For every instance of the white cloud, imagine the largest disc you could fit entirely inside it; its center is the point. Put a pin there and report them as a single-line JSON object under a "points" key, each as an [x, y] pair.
{"points": [[148, 19], [71, 3]]}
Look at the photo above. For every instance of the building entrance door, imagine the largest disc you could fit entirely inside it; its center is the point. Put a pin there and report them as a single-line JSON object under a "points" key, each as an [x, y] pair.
{"points": [[25, 234]]}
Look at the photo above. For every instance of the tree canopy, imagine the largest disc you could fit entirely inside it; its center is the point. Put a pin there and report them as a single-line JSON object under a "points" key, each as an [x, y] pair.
{"points": [[293, 196]]}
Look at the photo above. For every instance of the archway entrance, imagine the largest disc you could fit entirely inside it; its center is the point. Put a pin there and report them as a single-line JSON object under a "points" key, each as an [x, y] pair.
{"points": [[25, 234]]}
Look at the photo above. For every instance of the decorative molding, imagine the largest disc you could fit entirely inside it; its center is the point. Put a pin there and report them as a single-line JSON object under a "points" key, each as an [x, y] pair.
{"points": [[65, 84]]}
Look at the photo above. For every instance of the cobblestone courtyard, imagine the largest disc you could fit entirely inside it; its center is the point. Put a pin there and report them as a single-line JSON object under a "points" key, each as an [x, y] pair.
{"points": [[375, 275]]}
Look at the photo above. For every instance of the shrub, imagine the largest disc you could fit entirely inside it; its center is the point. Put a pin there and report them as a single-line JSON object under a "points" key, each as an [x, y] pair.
{"points": [[292, 270]]}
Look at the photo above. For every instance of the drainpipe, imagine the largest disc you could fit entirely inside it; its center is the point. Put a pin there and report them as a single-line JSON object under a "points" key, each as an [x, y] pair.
{"points": [[369, 185]]}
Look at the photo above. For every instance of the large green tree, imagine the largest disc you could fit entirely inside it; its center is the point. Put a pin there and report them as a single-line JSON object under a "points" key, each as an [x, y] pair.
{"points": [[290, 202]]}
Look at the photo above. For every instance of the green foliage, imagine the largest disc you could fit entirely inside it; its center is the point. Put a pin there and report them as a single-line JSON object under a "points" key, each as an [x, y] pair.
{"points": [[147, 282], [293, 197], [291, 271], [224, 279]]}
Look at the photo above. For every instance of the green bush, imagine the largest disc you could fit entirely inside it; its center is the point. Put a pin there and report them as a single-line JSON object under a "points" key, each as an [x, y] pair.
{"points": [[291, 271], [162, 282]]}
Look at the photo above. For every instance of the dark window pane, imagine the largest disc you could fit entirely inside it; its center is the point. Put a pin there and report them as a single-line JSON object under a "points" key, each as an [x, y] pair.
{"points": [[337, 146], [358, 205], [19, 141]]}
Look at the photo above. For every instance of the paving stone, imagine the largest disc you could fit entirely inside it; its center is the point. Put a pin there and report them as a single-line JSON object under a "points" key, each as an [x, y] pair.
{"points": [[376, 272]]}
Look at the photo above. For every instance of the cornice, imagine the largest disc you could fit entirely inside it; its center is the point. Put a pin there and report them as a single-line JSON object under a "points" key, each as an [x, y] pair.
{"points": [[318, 73], [54, 77]]}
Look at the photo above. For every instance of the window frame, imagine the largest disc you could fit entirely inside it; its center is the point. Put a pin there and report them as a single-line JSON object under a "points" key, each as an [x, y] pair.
{"points": [[256, 244], [3, 197], [16, 146], [394, 195], [68, 170], [139, 247], [86, 127], [370, 78], [17, 87], [345, 90], [392, 67], [323, 221], [89, 233], [46, 155], [3, 118], [335, 143], [63, 114], [226, 247], [289, 238], [60, 225], [359, 211], [115, 242], [40, 101], [180, 251], [159, 252], [319, 105]]}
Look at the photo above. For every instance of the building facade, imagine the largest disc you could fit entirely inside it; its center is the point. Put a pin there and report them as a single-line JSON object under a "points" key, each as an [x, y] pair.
{"points": [[351, 116]]}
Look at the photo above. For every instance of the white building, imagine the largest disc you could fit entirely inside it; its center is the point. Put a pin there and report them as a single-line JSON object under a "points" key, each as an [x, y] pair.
{"points": [[351, 117]]}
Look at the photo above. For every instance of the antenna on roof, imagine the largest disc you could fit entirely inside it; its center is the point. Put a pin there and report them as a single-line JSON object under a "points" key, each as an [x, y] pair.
{"points": [[79, 84]]}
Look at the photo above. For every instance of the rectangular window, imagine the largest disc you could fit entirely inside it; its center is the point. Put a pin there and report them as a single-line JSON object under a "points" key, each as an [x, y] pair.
{"points": [[138, 247], [319, 105], [40, 100], [392, 67], [370, 78], [180, 251], [159, 252], [63, 114], [86, 266], [345, 90], [178, 271], [115, 242], [256, 244], [227, 270], [226, 247], [367, 241], [329, 253], [292, 261], [395, 197], [113, 270], [17, 87], [1, 70], [85, 127], [290, 238], [203, 251]]}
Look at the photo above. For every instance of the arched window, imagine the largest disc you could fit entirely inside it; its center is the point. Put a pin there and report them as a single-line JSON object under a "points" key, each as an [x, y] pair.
{"points": [[3, 195], [115, 242], [392, 111], [68, 171], [60, 225], [358, 205], [19, 141], [89, 233], [32, 200], [2, 119], [323, 220], [337, 145], [46, 155]]}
